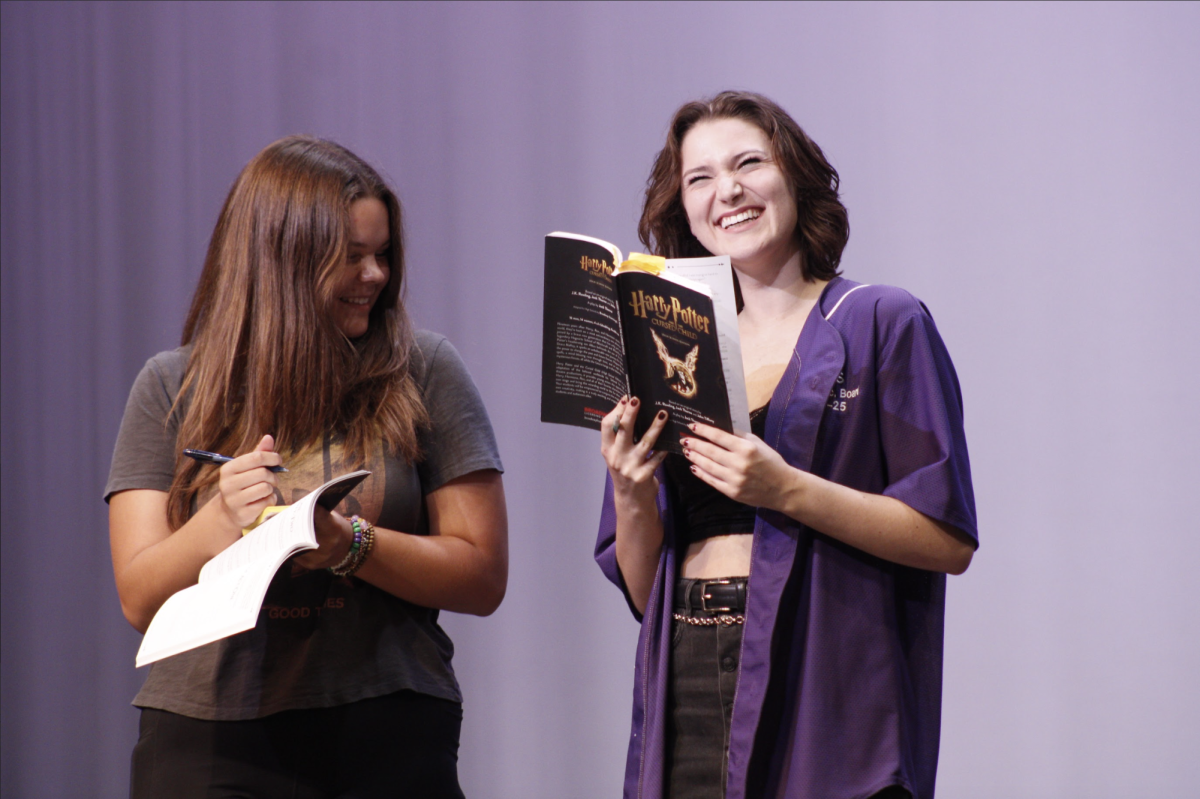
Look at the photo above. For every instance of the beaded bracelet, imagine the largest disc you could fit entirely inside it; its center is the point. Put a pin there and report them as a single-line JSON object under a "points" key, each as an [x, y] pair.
{"points": [[355, 546], [364, 542], [368, 543]]}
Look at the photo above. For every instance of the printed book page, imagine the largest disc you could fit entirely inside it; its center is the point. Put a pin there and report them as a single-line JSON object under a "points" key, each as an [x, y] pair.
{"points": [[285, 532], [204, 613]]}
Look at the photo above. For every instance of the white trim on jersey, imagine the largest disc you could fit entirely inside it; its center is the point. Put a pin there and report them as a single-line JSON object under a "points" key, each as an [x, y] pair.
{"points": [[829, 315]]}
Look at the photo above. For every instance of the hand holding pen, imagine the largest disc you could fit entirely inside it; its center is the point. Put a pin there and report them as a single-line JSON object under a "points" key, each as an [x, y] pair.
{"points": [[247, 483], [213, 457]]}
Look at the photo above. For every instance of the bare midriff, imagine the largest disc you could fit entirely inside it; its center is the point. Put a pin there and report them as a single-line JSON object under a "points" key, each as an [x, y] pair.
{"points": [[720, 556]]}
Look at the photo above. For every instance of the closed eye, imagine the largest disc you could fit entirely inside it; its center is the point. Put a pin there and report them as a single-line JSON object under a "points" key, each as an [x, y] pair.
{"points": [[692, 180]]}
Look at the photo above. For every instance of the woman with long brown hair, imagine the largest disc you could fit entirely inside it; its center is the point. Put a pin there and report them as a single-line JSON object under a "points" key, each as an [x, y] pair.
{"points": [[298, 351], [789, 582]]}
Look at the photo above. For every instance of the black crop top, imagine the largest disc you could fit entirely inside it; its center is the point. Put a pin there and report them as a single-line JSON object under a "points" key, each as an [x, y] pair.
{"points": [[704, 511]]}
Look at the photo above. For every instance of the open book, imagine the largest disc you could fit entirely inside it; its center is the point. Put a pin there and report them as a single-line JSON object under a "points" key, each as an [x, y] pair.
{"points": [[230, 592], [662, 330]]}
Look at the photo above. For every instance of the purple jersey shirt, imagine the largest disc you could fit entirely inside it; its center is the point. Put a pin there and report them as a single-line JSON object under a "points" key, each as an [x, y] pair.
{"points": [[840, 681]]}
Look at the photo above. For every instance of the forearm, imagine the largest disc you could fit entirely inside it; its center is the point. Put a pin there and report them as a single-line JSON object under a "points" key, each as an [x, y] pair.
{"points": [[877, 524], [463, 565], [639, 543], [436, 571], [147, 579]]}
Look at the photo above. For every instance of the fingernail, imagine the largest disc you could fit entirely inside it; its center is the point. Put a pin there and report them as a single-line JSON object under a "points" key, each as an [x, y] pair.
{"points": [[634, 402], [662, 414], [693, 468], [692, 426]]}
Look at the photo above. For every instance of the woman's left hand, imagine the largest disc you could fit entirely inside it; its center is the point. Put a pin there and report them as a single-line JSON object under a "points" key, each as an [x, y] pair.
{"points": [[742, 468], [334, 537]]}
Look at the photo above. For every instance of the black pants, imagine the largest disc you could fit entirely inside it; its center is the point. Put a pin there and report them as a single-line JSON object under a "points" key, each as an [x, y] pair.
{"points": [[397, 746], [704, 672]]}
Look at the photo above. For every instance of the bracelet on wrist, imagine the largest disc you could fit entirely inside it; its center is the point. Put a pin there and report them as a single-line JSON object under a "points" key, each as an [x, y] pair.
{"points": [[368, 544], [355, 546], [360, 549]]}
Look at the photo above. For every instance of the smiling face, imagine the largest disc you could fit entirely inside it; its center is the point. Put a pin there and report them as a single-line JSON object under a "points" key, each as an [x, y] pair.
{"points": [[738, 201], [367, 268]]}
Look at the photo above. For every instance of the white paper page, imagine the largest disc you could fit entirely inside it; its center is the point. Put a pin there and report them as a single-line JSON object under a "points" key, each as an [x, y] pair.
{"points": [[288, 531], [206, 612], [717, 274], [715, 271]]}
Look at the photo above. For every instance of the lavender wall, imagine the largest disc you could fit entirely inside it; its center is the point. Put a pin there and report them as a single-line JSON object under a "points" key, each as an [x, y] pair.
{"points": [[1030, 171]]}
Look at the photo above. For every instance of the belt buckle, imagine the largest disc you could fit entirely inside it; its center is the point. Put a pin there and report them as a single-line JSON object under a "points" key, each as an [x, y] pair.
{"points": [[705, 596]]}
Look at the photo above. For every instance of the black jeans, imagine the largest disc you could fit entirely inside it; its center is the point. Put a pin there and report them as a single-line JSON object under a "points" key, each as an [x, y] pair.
{"points": [[704, 669], [396, 746], [705, 659]]}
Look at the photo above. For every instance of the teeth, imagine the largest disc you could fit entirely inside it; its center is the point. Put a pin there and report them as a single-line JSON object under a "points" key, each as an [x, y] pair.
{"points": [[730, 221], [357, 300]]}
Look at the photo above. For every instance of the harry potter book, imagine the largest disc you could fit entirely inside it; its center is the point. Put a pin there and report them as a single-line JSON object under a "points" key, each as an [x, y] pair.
{"points": [[662, 330]]}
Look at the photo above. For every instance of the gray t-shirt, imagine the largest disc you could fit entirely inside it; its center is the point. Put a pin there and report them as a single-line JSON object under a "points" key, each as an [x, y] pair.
{"points": [[320, 641]]}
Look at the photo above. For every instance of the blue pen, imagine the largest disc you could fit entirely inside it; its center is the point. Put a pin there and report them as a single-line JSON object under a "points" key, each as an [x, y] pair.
{"points": [[212, 457]]}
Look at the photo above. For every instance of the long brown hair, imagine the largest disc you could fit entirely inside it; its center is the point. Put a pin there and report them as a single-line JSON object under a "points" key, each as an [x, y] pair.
{"points": [[822, 226], [266, 355]]}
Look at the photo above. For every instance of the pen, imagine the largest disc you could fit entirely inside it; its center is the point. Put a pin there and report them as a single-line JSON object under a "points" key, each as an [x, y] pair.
{"points": [[212, 457]]}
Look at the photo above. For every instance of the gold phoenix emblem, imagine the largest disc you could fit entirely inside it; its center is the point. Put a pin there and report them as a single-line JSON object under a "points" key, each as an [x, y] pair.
{"points": [[683, 371]]}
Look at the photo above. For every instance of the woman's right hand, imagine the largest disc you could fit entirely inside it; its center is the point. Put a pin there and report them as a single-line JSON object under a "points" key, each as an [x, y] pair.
{"points": [[639, 529], [246, 484], [151, 561], [631, 465]]}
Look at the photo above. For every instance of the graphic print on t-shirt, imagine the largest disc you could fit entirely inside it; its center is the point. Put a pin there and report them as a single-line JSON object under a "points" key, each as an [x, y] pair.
{"points": [[299, 596], [314, 467]]}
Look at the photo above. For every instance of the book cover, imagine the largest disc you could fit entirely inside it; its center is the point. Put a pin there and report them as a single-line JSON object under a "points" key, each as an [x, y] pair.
{"points": [[673, 355], [583, 361]]}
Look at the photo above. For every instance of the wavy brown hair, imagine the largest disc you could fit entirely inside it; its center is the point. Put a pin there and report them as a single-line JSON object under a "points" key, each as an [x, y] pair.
{"points": [[822, 226], [266, 355]]}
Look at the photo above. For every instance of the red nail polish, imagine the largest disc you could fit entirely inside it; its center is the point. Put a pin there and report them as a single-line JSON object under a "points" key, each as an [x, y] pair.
{"points": [[634, 402]]}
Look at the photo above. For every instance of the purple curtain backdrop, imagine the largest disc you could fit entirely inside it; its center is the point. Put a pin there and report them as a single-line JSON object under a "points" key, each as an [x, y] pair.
{"points": [[1030, 171]]}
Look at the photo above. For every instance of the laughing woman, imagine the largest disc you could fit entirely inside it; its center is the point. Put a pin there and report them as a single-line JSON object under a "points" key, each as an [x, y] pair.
{"points": [[298, 350], [789, 582]]}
